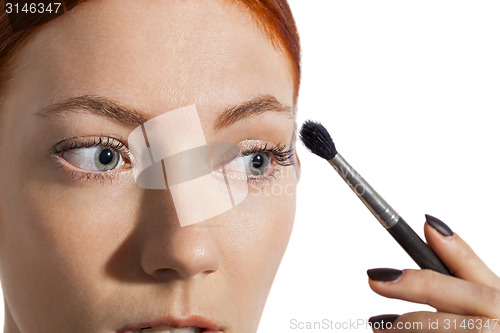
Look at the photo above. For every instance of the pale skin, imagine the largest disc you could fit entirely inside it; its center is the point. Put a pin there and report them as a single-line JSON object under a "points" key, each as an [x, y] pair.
{"points": [[471, 297], [98, 256], [101, 256]]}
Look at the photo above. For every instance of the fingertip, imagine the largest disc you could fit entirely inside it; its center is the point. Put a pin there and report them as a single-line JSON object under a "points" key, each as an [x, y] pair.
{"points": [[382, 322], [439, 236], [384, 274], [438, 225], [382, 280], [459, 257], [432, 235]]}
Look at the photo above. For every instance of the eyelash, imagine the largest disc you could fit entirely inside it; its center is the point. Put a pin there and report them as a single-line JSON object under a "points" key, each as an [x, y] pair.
{"points": [[98, 141], [280, 154], [100, 177]]}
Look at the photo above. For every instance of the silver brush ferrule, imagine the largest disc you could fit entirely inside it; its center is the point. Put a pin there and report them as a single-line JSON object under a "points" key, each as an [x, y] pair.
{"points": [[384, 213]]}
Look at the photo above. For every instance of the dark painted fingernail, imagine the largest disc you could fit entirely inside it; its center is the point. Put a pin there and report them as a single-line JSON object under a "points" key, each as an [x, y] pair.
{"points": [[383, 322], [384, 274], [439, 225]]}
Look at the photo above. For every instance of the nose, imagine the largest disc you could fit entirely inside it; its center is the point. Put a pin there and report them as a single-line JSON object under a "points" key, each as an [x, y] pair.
{"points": [[171, 251]]}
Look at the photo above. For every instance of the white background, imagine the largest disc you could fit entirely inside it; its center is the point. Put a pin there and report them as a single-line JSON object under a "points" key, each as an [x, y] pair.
{"points": [[409, 91]]}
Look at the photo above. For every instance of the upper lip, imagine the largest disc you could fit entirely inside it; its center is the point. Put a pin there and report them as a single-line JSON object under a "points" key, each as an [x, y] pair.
{"points": [[175, 322]]}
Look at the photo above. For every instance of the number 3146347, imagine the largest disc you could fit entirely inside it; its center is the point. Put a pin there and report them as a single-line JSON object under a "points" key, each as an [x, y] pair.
{"points": [[33, 7]]}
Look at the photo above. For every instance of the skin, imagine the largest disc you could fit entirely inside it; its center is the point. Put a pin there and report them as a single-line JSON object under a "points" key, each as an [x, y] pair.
{"points": [[471, 297], [91, 256], [99, 256]]}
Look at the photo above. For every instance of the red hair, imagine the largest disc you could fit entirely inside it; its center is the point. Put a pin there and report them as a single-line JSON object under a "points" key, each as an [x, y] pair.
{"points": [[274, 16]]}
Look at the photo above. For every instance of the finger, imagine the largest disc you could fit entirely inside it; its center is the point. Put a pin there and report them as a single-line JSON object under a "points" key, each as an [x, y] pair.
{"points": [[457, 255], [435, 322], [443, 292]]}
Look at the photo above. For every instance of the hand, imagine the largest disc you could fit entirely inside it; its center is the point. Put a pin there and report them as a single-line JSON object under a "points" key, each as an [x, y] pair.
{"points": [[467, 302]]}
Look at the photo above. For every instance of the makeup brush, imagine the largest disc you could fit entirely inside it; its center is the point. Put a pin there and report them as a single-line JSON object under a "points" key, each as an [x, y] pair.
{"points": [[318, 140]]}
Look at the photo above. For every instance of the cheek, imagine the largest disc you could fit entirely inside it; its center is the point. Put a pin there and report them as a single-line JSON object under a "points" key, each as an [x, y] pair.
{"points": [[56, 242], [258, 235], [82, 227]]}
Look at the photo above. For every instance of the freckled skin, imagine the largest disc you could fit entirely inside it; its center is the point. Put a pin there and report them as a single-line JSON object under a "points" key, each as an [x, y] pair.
{"points": [[78, 256]]}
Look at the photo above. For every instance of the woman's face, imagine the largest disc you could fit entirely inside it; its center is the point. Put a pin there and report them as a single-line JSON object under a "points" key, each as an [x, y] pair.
{"points": [[82, 247]]}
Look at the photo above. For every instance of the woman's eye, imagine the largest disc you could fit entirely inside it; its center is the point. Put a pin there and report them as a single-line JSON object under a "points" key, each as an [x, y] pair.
{"points": [[257, 163], [100, 158]]}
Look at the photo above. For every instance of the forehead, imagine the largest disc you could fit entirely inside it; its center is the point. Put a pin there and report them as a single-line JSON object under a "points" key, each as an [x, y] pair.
{"points": [[153, 55]]}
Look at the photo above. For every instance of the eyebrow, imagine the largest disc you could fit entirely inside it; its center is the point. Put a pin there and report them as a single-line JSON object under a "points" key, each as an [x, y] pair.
{"points": [[250, 108], [103, 106], [96, 105]]}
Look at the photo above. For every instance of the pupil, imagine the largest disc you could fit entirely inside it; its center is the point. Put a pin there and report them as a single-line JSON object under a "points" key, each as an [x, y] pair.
{"points": [[106, 156], [257, 161]]}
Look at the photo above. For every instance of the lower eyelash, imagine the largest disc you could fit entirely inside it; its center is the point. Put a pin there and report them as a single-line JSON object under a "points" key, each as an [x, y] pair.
{"points": [[99, 177], [90, 177], [260, 181]]}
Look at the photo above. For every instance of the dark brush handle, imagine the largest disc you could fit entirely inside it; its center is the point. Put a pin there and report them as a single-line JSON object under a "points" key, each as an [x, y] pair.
{"points": [[418, 250]]}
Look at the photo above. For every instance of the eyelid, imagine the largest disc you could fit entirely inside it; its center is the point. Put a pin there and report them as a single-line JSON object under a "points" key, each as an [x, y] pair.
{"points": [[281, 154], [89, 142]]}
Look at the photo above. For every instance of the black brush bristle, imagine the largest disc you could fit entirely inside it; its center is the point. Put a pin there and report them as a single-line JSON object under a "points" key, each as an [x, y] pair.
{"points": [[317, 139]]}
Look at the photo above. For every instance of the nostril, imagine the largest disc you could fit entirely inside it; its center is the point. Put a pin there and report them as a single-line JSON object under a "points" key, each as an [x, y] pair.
{"points": [[180, 253], [166, 274]]}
